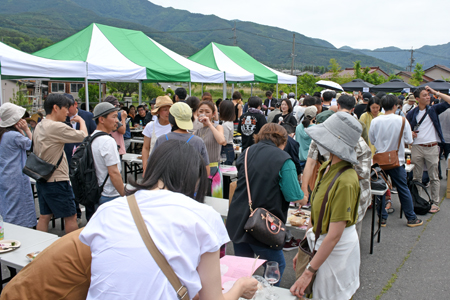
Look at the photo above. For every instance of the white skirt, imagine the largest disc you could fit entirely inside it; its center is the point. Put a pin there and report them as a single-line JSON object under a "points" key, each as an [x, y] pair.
{"points": [[338, 277]]}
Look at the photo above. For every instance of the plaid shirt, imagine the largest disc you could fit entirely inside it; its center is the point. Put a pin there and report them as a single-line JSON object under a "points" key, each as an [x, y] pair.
{"points": [[363, 168]]}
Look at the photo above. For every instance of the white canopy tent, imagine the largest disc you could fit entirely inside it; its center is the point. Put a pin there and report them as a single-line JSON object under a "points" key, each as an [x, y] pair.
{"points": [[15, 64]]}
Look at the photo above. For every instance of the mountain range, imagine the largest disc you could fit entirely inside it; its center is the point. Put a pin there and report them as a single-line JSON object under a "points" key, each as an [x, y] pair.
{"points": [[185, 32]]}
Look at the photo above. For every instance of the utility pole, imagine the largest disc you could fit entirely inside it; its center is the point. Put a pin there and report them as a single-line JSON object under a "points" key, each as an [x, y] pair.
{"points": [[234, 37], [293, 55], [411, 61]]}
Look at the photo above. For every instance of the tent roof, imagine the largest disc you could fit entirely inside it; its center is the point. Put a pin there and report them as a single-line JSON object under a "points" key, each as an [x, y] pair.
{"points": [[438, 85], [17, 64], [393, 86], [116, 54], [238, 65], [356, 85]]}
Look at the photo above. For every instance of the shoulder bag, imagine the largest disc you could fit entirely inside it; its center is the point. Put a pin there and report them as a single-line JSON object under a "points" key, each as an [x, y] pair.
{"points": [[378, 179], [389, 160], [305, 254], [180, 289], [37, 168], [263, 225]]}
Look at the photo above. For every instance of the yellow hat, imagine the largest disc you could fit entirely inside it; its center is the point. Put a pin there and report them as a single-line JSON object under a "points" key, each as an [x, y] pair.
{"points": [[183, 115], [34, 117], [160, 102]]}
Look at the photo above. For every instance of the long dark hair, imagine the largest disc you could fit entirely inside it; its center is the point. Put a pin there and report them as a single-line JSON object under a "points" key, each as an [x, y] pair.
{"points": [[306, 121], [179, 166], [6, 129]]}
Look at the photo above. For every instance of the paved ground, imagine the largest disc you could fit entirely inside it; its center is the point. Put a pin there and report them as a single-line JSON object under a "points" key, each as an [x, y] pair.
{"points": [[409, 263]]}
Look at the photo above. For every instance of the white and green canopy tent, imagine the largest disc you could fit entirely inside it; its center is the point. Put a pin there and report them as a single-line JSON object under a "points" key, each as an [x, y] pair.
{"points": [[238, 65], [15, 64], [116, 54]]}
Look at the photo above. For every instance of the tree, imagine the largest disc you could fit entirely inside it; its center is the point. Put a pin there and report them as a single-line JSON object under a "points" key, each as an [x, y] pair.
{"points": [[125, 88], [151, 90], [20, 98], [335, 68], [93, 93], [307, 84], [417, 76], [357, 68]]}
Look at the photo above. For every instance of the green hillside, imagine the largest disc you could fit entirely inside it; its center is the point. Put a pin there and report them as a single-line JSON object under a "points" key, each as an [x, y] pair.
{"points": [[179, 30]]}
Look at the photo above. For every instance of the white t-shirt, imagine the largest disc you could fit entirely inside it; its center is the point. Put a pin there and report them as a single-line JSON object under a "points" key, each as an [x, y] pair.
{"points": [[122, 267], [299, 111], [159, 129], [228, 131], [293, 102], [407, 108], [384, 131], [427, 133], [104, 150]]}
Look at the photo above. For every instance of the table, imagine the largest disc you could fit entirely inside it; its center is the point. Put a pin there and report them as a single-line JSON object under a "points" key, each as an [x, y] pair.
{"points": [[132, 164], [376, 194], [220, 205], [31, 240], [134, 141], [301, 228], [284, 294]]}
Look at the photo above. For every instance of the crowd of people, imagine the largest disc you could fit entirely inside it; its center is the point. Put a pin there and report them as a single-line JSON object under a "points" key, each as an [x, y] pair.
{"points": [[294, 152]]}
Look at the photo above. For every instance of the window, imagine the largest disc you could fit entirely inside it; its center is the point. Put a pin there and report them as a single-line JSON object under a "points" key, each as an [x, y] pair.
{"points": [[58, 87], [75, 87]]}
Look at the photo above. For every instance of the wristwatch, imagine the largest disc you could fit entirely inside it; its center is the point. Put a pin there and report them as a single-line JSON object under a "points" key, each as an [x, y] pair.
{"points": [[309, 268], [437, 94]]}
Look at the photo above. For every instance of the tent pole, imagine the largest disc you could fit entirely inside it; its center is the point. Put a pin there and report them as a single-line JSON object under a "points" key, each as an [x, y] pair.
{"points": [[1, 90], [296, 91], [86, 92], [190, 89], [100, 91], [202, 89], [251, 89], [232, 88], [277, 90], [140, 92], [224, 92]]}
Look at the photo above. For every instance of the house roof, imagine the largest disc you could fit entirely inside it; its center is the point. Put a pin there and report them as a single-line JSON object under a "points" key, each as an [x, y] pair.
{"points": [[409, 75], [447, 69], [351, 71]]}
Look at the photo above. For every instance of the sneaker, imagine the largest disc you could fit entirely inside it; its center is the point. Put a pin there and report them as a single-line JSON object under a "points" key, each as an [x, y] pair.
{"points": [[383, 222], [414, 223], [394, 190], [291, 245]]}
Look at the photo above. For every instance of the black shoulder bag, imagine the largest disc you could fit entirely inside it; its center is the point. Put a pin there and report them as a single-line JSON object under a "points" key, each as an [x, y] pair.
{"points": [[39, 169]]}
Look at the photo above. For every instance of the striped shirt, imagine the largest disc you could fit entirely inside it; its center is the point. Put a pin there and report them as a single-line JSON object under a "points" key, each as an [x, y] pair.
{"points": [[211, 144]]}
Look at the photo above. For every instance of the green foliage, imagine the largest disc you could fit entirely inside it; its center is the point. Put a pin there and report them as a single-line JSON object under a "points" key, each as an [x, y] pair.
{"points": [[125, 88], [20, 98], [393, 76], [150, 91], [170, 91], [22, 41], [417, 76], [268, 87], [335, 68], [307, 84], [93, 93], [357, 68]]}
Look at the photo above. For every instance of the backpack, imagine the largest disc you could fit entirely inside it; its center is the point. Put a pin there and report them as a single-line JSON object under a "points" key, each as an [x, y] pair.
{"points": [[421, 206], [82, 173]]}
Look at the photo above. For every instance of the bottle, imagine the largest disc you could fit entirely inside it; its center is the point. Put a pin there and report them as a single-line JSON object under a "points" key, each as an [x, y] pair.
{"points": [[408, 160], [2, 229]]}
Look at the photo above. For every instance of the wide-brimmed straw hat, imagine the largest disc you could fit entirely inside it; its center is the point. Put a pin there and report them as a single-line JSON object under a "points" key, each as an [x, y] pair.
{"points": [[34, 117], [160, 102], [339, 134], [10, 114]]}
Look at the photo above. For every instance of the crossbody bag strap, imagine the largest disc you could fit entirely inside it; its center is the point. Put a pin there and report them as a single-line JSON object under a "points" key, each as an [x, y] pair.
{"points": [[180, 289], [246, 181], [401, 133], [324, 203], [423, 118]]}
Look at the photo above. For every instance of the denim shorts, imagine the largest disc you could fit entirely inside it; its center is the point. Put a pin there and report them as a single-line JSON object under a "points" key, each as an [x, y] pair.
{"points": [[56, 198]]}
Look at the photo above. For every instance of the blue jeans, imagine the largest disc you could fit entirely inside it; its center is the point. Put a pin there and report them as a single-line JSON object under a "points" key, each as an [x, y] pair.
{"points": [[249, 250], [228, 149], [398, 177]]}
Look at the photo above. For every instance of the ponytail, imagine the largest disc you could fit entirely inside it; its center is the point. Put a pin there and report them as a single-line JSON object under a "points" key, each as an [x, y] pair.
{"points": [[306, 121]]}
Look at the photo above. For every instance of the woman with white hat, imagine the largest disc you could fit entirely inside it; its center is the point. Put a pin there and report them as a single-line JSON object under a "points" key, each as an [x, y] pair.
{"points": [[337, 260], [16, 197], [156, 128]]}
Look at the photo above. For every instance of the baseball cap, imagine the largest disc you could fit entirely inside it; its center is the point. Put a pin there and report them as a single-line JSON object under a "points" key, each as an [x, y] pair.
{"points": [[182, 114], [103, 109]]}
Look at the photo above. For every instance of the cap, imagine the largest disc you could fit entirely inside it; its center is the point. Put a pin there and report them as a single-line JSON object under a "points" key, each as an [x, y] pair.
{"points": [[10, 114], [367, 96], [104, 108], [111, 99], [182, 114]]}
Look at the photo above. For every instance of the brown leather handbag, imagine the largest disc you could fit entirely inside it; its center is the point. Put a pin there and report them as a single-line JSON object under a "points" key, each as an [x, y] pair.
{"points": [[263, 225], [389, 160], [305, 254]]}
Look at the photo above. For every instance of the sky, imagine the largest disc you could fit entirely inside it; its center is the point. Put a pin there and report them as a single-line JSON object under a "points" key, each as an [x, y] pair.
{"points": [[359, 24]]}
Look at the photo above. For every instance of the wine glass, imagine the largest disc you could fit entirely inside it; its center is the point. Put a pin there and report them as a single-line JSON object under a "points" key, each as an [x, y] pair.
{"points": [[272, 275], [223, 158]]}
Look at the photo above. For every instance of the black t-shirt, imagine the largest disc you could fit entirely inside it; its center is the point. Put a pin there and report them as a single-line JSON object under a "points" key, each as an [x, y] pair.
{"points": [[138, 119], [286, 119], [359, 109], [250, 124]]}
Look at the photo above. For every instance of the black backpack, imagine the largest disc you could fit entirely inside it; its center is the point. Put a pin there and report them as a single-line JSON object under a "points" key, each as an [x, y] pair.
{"points": [[421, 206], [82, 173]]}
